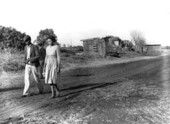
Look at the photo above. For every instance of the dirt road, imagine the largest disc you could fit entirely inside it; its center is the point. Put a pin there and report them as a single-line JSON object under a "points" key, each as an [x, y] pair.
{"points": [[134, 92]]}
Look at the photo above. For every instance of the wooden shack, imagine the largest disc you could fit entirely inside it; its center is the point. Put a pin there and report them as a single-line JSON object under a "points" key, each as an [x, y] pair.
{"points": [[94, 46], [100, 46]]}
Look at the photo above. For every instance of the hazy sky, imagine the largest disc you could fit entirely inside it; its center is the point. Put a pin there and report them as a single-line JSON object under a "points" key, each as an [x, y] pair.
{"points": [[73, 20]]}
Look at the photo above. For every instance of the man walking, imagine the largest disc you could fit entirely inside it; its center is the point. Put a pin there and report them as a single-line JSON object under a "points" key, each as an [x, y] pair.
{"points": [[32, 62], [42, 54]]}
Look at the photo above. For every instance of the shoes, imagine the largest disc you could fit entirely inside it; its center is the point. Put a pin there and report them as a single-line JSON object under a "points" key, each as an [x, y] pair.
{"points": [[52, 97], [26, 95], [56, 94], [40, 92]]}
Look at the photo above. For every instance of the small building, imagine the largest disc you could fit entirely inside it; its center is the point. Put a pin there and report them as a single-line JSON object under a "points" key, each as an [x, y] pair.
{"points": [[94, 46], [152, 49], [100, 46]]}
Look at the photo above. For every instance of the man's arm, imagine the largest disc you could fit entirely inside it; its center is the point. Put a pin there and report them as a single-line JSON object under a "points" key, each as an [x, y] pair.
{"points": [[25, 53]]}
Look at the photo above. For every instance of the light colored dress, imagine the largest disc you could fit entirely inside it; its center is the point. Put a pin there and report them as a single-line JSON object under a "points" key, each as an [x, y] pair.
{"points": [[51, 74]]}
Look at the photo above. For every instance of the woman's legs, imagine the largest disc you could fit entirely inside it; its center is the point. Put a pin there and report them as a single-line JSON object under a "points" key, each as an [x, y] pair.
{"points": [[57, 90], [52, 92]]}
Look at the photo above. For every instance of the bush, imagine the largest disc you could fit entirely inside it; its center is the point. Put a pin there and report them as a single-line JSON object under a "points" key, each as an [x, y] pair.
{"points": [[13, 66], [11, 61], [139, 40], [65, 52], [43, 35], [78, 48], [66, 55], [11, 38]]}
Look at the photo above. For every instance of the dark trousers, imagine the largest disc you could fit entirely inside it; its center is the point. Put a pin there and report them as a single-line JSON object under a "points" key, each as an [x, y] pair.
{"points": [[41, 68]]}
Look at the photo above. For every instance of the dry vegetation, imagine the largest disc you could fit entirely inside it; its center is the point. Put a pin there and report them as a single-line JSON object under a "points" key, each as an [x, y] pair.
{"points": [[11, 61], [14, 61]]}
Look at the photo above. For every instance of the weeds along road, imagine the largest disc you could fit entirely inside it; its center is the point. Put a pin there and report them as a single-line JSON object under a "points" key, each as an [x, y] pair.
{"points": [[146, 77]]}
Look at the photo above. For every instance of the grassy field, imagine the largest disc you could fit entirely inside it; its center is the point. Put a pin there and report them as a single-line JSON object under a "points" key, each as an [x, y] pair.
{"points": [[14, 62]]}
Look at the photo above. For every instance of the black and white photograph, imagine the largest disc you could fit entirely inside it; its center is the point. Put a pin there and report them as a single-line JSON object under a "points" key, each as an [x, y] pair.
{"points": [[85, 62]]}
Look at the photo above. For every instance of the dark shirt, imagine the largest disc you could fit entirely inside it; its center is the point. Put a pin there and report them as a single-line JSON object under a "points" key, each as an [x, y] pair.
{"points": [[42, 53]]}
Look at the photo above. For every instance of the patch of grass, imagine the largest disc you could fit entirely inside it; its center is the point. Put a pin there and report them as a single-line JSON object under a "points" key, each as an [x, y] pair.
{"points": [[11, 61], [13, 65]]}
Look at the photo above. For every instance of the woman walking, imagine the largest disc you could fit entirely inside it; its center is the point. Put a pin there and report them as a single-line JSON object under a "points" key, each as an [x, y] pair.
{"points": [[52, 66]]}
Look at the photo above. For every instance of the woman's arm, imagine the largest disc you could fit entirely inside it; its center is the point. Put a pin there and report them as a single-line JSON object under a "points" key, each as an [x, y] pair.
{"points": [[58, 57]]}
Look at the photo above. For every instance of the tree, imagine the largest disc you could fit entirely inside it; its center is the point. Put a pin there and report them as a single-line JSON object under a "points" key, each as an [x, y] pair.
{"points": [[138, 40], [44, 34], [11, 38]]}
